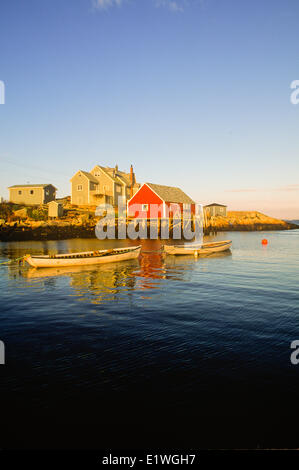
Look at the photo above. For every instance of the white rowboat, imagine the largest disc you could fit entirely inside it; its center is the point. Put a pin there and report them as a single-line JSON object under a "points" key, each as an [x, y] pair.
{"points": [[197, 250], [85, 258]]}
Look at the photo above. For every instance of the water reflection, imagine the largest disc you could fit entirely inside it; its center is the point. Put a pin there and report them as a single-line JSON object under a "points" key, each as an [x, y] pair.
{"points": [[107, 282], [96, 284]]}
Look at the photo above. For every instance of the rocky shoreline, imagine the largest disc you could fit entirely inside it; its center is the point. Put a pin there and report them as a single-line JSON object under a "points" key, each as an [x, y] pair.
{"points": [[77, 228], [247, 221]]}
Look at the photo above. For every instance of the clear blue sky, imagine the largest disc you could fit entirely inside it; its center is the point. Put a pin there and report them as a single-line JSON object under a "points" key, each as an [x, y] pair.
{"points": [[194, 93]]}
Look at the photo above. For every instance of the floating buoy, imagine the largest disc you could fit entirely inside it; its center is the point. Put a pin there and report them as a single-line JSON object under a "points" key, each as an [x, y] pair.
{"points": [[264, 241]]}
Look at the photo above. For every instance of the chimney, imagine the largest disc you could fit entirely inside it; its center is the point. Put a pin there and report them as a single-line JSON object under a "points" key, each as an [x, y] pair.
{"points": [[131, 180], [116, 169]]}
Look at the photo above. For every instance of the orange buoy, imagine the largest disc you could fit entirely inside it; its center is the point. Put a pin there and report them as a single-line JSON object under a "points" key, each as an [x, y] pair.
{"points": [[264, 241]]}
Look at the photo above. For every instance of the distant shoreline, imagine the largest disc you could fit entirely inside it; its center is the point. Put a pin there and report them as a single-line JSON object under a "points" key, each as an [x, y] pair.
{"points": [[63, 229], [296, 222]]}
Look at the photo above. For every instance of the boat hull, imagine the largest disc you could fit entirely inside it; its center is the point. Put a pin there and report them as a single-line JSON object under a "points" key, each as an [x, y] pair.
{"points": [[205, 249], [84, 259]]}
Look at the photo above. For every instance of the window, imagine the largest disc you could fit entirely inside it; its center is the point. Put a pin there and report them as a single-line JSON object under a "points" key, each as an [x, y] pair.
{"points": [[31, 191], [118, 188], [79, 187], [19, 192], [144, 207]]}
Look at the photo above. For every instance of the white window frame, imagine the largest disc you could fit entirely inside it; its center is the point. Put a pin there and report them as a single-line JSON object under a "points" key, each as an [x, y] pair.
{"points": [[144, 207]]}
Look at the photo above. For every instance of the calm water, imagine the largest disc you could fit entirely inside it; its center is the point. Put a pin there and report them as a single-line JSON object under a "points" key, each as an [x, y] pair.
{"points": [[164, 350]]}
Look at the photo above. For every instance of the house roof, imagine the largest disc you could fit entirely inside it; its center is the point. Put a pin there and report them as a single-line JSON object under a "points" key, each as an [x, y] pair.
{"points": [[215, 204], [124, 177], [108, 172], [170, 194], [30, 186], [90, 176], [116, 175]]}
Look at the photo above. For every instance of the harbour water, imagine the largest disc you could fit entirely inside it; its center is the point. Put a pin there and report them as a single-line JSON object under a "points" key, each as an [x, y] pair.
{"points": [[159, 351]]}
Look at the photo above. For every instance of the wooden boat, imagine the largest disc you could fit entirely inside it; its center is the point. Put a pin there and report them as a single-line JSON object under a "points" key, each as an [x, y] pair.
{"points": [[85, 258], [197, 250]]}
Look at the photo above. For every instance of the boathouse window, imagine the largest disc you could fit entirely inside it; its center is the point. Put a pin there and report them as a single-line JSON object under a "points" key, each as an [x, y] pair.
{"points": [[79, 187], [19, 192], [31, 191], [144, 207]]}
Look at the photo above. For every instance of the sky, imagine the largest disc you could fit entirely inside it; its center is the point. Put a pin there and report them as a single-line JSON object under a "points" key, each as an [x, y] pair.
{"points": [[193, 93]]}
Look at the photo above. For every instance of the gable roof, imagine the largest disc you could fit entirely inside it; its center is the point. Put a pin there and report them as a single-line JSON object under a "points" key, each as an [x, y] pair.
{"points": [[123, 177], [117, 176], [170, 193], [107, 172], [90, 176], [30, 186], [215, 204]]}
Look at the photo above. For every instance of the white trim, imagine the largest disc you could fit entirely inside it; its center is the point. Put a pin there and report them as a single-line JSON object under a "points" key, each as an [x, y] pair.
{"points": [[145, 184], [155, 193], [164, 209]]}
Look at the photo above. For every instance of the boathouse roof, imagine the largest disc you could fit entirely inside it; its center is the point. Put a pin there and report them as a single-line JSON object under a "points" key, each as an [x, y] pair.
{"points": [[170, 194]]}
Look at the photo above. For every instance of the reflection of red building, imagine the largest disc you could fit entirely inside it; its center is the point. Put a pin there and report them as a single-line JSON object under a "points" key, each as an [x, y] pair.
{"points": [[156, 201], [152, 265]]}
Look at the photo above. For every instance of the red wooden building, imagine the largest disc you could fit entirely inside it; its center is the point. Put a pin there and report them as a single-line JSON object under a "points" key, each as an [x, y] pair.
{"points": [[157, 201]]}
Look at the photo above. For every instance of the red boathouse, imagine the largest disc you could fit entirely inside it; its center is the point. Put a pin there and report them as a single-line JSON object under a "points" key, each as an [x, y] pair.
{"points": [[157, 201]]}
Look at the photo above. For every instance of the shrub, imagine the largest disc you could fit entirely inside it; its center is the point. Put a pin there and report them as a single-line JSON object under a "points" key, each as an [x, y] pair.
{"points": [[6, 210], [37, 213]]}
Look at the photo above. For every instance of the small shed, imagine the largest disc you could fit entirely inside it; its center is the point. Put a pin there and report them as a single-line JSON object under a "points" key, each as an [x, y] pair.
{"points": [[216, 209], [55, 209]]}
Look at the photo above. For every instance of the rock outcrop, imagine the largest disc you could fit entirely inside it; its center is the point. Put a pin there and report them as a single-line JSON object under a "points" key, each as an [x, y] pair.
{"points": [[247, 221]]}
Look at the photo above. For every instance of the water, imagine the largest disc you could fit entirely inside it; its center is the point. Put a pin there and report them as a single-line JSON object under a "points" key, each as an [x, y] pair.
{"points": [[161, 351]]}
